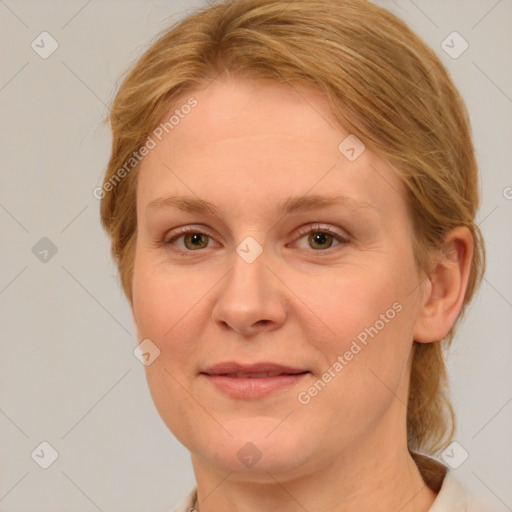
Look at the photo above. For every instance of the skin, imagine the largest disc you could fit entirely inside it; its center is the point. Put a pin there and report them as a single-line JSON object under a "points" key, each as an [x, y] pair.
{"points": [[246, 147]]}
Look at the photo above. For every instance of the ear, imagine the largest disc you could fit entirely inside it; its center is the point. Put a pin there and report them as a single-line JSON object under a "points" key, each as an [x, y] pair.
{"points": [[446, 287]]}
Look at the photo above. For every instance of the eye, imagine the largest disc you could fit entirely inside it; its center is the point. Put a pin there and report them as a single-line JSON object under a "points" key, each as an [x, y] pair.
{"points": [[321, 237], [193, 239]]}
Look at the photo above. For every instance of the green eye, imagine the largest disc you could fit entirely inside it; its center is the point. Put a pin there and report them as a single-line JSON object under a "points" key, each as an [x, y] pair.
{"points": [[319, 238], [194, 241], [323, 239]]}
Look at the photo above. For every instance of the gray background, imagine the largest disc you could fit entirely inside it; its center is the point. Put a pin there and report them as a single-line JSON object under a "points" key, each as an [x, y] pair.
{"points": [[67, 372]]}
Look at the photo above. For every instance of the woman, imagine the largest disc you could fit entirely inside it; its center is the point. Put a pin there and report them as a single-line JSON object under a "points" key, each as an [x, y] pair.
{"points": [[291, 200]]}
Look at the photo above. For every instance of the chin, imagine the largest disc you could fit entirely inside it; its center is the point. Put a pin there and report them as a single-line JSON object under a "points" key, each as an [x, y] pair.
{"points": [[256, 449], [249, 463]]}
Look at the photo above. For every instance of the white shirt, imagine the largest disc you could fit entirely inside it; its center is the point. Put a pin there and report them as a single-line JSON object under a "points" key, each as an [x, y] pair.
{"points": [[452, 497]]}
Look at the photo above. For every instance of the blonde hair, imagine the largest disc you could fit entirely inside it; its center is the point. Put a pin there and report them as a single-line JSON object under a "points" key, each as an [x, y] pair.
{"points": [[383, 84]]}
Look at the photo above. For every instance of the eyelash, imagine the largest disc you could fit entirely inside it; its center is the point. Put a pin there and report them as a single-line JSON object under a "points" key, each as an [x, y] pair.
{"points": [[316, 228]]}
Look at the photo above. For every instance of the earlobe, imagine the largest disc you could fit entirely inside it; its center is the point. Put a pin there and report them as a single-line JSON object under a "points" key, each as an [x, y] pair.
{"points": [[447, 287]]}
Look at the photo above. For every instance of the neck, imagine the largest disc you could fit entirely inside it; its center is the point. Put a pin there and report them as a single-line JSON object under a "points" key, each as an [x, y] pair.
{"points": [[352, 483]]}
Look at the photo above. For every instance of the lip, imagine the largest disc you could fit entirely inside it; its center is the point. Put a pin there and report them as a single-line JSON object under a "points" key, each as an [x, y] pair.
{"points": [[263, 367], [249, 383]]}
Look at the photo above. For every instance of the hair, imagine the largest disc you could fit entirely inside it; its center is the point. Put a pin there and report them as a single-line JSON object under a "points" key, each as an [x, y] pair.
{"points": [[383, 84]]}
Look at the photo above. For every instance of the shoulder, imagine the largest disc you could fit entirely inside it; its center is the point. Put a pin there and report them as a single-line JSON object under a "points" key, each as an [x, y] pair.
{"points": [[454, 497]]}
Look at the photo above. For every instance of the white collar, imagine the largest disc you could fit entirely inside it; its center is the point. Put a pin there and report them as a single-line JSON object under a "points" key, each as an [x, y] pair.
{"points": [[452, 497]]}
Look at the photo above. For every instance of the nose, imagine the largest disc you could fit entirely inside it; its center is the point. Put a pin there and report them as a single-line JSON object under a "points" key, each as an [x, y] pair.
{"points": [[251, 299]]}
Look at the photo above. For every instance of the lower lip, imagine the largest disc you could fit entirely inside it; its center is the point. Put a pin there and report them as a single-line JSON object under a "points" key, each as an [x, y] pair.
{"points": [[245, 387]]}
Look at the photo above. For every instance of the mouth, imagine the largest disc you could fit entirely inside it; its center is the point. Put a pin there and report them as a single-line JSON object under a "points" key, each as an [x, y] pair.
{"points": [[260, 375], [254, 380]]}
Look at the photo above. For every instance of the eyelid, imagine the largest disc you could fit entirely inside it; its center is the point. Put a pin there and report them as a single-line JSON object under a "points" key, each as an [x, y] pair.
{"points": [[342, 239], [183, 231], [323, 228], [302, 231], [179, 232]]}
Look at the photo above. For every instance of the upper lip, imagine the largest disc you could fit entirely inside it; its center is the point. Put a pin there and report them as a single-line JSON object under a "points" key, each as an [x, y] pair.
{"points": [[263, 367]]}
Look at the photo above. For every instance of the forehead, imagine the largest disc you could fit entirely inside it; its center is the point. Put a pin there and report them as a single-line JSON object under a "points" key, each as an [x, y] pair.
{"points": [[246, 139], [239, 108]]}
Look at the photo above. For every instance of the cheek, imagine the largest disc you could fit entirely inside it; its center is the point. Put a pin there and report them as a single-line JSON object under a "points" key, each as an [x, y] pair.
{"points": [[167, 308], [368, 319], [176, 408], [347, 301], [164, 295], [161, 302]]}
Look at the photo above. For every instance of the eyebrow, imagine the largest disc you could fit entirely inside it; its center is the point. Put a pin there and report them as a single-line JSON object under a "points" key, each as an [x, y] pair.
{"points": [[291, 205]]}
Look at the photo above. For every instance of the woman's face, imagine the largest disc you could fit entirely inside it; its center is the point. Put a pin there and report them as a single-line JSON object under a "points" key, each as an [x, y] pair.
{"points": [[270, 274]]}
